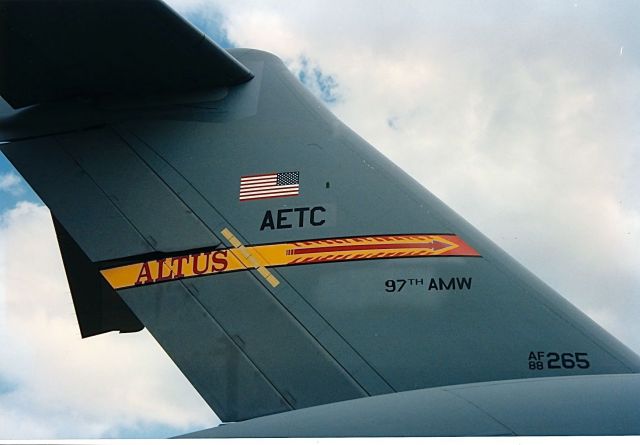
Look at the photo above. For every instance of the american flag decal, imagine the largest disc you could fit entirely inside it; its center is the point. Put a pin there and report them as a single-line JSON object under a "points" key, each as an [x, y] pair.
{"points": [[269, 185]]}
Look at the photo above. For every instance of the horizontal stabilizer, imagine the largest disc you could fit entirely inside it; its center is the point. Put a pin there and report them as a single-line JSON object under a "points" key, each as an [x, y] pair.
{"points": [[61, 49]]}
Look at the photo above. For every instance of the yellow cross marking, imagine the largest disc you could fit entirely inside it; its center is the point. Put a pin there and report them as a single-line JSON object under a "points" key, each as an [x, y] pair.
{"points": [[253, 260]]}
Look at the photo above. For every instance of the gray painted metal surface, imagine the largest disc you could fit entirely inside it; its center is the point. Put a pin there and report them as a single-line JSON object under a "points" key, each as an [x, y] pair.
{"points": [[92, 219], [557, 406], [210, 358]]}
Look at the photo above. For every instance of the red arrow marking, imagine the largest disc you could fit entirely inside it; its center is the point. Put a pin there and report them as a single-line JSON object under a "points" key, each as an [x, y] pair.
{"points": [[433, 245]]}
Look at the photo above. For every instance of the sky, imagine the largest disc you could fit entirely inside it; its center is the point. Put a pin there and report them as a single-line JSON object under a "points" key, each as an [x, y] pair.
{"points": [[523, 117]]}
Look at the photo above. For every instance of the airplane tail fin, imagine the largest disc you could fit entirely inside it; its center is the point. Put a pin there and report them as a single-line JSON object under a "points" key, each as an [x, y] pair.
{"points": [[279, 259]]}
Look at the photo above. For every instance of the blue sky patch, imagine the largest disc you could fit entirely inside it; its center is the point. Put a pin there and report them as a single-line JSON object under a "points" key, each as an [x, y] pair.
{"points": [[11, 192], [7, 386], [324, 86]]}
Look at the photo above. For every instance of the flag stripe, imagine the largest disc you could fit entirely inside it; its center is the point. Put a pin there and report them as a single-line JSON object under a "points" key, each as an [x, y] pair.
{"points": [[267, 192], [276, 195], [262, 187], [260, 181], [269, 175], [274, 187], [271, 190]]}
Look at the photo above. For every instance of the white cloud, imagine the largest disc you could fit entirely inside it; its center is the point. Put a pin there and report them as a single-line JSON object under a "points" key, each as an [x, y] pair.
{"points": [[53, 384], [11, 183]]}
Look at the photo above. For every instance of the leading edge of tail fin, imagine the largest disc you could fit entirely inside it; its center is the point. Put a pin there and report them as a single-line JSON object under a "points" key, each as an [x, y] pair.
{"points": [[62, 49]]}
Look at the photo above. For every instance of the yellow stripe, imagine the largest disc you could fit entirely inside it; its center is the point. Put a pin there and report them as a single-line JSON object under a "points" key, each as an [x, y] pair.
{"points": [[240, 257]]}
